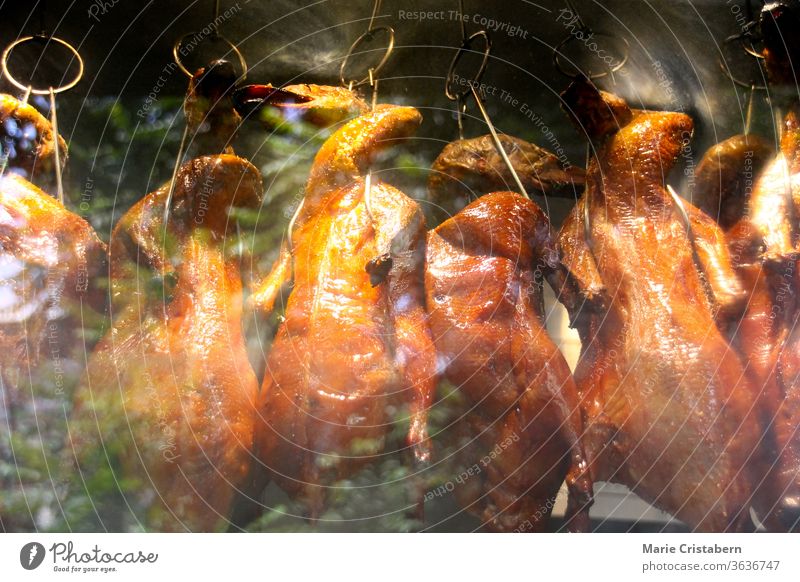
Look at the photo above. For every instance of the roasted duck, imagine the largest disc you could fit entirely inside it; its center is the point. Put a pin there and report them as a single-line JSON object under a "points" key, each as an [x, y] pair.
{"points": [[468, 168], [50, 260], [48, 255], [28, 142], [169, 396], [354, 340], [485, 269], [726, 176], [667, 404], [765, 243], [779, 19]]}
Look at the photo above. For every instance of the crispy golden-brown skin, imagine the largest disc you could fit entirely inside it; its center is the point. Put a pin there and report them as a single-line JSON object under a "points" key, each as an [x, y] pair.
{"points": [[48, 255], [765, 243], [170, 385], [668, 407], [353, 342], [320, 105], [485, 268], [727, 174], [170, 392]]}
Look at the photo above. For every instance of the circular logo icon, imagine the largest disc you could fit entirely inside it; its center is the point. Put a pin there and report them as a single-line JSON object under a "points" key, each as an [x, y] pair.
{"points": [[31, 555]]}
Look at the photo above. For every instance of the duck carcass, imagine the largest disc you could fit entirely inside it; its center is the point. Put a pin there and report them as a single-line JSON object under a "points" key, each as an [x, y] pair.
{"points": [[354, 342], [49, 256], [669, 409], [484, 275], [168, 402]]}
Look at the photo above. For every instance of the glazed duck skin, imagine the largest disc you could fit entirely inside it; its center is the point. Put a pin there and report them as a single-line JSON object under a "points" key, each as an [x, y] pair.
{"points": [[769, 334], [169, 395], [320, 105], [473, 166], [348, 347], [171, 380], [483, 285], [47, 253], [726, 176], [667, 404]]}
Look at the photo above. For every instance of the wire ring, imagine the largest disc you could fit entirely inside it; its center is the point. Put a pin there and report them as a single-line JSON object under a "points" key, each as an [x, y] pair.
{"points": [[46, 39], [557, 55], [748, 50], [367, 36], [466, 45], [176, 55]]}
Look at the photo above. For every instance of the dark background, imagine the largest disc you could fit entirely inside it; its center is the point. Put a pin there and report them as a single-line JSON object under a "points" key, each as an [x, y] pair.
{"points": [[127, 45]]}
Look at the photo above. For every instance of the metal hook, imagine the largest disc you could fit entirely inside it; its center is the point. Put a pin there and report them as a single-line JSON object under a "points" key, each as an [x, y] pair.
{"points": [[587, 219], [171, 191], [748, 121], [365, 37], [466, 46], [472, 88], [28, 88], [290, 228], [214, 17], [176, 54], [748, 50], [375, 8], [373, 81], [461, 109]]}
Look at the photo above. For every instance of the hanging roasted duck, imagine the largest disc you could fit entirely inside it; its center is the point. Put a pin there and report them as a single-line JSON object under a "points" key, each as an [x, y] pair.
{"points": [[354, 341], [471, 167], [169, 397], [667, 404], [775, 208], [484, 275], [726, 176], [767, 242], [48, 255]]}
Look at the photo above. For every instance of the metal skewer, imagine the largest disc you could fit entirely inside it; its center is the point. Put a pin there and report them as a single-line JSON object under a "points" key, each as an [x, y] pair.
{"points": [[497, 144], [460, 97]]}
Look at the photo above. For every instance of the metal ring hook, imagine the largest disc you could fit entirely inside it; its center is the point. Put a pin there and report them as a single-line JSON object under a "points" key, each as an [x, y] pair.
{"points": [[557, 55], [466, 46], [46, 39], [367, 36], [176, 54], [748, 50]]}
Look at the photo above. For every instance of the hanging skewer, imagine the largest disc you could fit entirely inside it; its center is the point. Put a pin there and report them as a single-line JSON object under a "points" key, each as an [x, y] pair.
{"points": [[29, 90], [371, 77], [176, 51], [461, 96], [557, 56], [497, 144]]}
